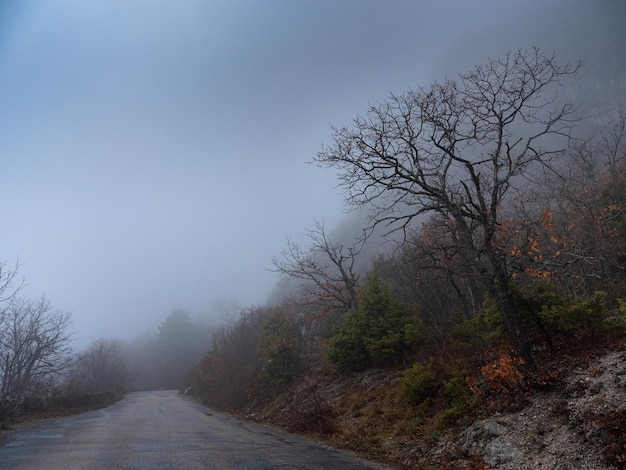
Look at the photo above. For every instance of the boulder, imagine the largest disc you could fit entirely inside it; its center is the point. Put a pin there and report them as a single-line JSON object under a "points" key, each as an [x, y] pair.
{"points": [[486, 439]]}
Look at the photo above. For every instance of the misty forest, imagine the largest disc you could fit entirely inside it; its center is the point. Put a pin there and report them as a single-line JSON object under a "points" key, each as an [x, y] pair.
{"points": [[484, 243]]}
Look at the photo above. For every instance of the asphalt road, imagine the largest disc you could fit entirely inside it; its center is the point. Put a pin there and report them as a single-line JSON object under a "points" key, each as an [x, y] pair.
{"points": [[163, 430]]}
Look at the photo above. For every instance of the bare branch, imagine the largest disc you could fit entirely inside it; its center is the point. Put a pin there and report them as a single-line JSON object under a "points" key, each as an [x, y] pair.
{"points": [[10, 284], [327, 270]]}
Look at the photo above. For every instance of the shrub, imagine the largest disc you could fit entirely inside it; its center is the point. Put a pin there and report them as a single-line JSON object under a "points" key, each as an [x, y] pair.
{"points": [[499, 376], [486, 327], [346, 349], [419, 383], [575, 313], [553, 313], [617, 321], [460, 398]]}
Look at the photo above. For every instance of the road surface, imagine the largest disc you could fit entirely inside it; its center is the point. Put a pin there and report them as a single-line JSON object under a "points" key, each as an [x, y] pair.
{"points": [[163, 430]]}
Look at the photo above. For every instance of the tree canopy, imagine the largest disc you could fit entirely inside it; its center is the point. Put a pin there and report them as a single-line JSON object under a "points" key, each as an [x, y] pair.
{"points": [[459, 149]]}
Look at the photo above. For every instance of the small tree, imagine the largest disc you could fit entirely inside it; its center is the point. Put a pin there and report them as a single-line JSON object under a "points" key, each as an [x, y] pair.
{"points": [[35, 347], [378, 333], [102, 368], [346, 349], [326, 269], [278, 348]]}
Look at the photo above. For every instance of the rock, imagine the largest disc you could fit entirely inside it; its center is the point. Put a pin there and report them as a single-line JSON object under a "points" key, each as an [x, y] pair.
{"points": [[493, 428], [500, 451], [479, 435], [486, 439]]}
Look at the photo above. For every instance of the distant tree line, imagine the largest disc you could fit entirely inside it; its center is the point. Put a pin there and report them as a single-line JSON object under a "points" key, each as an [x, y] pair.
{"points": [[40, 368]]}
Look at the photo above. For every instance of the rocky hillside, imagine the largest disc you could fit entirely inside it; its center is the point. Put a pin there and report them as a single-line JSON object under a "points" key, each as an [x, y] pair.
{"points": [[576, 420], [578, 425]]}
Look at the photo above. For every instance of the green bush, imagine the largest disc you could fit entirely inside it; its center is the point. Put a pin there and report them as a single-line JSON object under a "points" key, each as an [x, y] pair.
{"points": [[419, 383], [346, 349], [617, 321], [545, 312], [459, 396], [588, 313], [486, 326], [557, 313]]}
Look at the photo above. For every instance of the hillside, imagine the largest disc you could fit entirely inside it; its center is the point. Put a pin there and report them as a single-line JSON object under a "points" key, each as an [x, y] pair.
{"points": [[493, 333], [576, 421]]}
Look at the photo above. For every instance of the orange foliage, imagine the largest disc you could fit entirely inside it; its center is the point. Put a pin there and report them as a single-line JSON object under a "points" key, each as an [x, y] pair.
{"points": [[536, 249], [500, 376]]}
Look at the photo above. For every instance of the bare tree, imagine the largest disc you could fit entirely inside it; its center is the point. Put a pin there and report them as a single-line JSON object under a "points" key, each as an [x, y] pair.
{"points": [[35, 346], [102, 368], [327, 270], [10, 284], [459, 149]]}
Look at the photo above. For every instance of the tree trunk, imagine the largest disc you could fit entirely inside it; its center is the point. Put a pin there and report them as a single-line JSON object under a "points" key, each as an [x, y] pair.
{"points": [[501, 291]]}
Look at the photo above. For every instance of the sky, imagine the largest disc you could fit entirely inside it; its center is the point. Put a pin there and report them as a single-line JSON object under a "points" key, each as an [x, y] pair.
{"points": [[154, 153]]}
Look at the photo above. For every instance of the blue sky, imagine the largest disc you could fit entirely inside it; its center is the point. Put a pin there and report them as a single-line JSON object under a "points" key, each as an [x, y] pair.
{"points": [[153, 153]]}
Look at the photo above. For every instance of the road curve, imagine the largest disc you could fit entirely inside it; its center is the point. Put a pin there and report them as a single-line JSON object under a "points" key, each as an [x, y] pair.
{"points": [[164, 430]]}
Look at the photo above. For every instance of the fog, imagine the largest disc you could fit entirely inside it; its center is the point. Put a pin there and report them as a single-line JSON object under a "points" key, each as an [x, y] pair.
{"points": [[153, 153]]}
